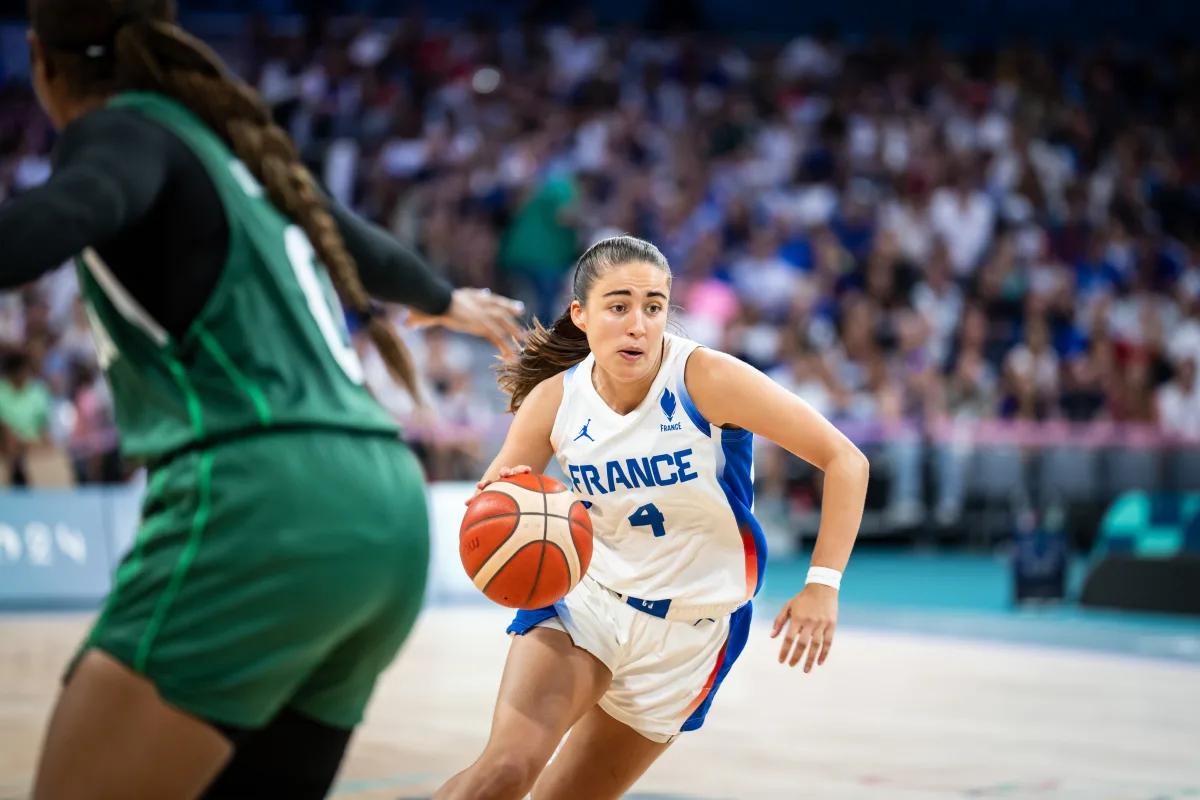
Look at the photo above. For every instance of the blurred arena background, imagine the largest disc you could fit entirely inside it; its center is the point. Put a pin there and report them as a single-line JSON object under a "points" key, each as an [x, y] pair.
{"points": [[967, 232]]}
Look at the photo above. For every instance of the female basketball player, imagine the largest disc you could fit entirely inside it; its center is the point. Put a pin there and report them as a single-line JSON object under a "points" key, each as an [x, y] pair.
{"points": [[655, 433], [282, 552]]}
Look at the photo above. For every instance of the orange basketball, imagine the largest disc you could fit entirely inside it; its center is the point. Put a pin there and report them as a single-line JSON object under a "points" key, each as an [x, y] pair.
{"points": [[525, 541]]}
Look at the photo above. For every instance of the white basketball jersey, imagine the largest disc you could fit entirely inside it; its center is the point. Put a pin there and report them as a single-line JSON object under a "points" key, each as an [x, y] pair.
{"points": [[670, 494]]}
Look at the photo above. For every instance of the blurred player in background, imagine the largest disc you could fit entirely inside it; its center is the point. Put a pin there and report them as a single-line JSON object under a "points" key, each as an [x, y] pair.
{"points": [[282, 552], [655, 433]]}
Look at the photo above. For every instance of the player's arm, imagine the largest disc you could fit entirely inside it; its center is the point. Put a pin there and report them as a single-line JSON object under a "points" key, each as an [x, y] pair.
{"points": [[109, 167], [390, 270], [527, 446], [729, 392], [395, 273]]}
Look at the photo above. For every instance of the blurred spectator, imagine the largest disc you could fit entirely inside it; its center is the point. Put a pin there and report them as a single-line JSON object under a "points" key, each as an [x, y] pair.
{"points": [[763, 278], [939, 300], [540, 247], [91, 440], [964, 217], [1178, 402], [1031, 375], [1082, 397], [25, 409]]}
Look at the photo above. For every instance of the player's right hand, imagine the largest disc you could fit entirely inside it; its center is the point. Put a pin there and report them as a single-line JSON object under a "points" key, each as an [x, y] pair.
{"points": [[480, 313], [492, 477]]}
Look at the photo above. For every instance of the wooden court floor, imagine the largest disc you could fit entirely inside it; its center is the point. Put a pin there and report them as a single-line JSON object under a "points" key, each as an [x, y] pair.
{"points": [[899, 717]]}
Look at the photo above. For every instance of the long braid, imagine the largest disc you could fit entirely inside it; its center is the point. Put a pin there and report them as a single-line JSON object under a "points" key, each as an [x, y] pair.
{"points": [[160, 56]]}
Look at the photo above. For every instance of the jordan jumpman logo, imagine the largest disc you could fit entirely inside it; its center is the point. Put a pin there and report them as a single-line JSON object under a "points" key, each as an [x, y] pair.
{"points": [[584, 432]]}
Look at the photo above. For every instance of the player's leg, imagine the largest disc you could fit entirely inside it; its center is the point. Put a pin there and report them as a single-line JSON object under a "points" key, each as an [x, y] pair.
{"points": [[202, 610], [295, 756], [600, 760], [666, 686], [114, 731], [298, 754], [548, 684], [113, 736]]}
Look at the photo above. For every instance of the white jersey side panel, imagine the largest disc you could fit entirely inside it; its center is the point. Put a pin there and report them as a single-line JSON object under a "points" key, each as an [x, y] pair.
{"points": [[670, 494]]}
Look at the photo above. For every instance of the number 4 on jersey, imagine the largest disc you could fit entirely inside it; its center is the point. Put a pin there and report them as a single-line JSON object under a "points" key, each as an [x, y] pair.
{"points": [[649, 515]]}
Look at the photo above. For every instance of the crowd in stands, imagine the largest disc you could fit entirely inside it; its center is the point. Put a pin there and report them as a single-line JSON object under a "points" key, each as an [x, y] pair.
{"points": [[919, 241]]}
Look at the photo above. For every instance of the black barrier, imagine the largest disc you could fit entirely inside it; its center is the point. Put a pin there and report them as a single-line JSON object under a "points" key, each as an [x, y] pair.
{"points": [[1145, 584]]}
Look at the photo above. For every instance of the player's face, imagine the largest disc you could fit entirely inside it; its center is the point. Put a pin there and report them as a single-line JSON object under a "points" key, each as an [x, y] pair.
{"points": [[624, 318]]}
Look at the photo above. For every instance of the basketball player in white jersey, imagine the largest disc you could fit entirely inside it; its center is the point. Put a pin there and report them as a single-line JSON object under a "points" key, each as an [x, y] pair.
{"points": [[655, 433]]}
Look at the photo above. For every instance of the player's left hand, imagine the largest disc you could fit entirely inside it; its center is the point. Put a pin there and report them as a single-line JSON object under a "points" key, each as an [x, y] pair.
{"points": [[810, 619], [479, 313]]}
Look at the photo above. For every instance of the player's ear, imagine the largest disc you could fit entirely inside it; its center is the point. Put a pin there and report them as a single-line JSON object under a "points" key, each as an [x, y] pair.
{"points": [[37, 55], [578, 315]]}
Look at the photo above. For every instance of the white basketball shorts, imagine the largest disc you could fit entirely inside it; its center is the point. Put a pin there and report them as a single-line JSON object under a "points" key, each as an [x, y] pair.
{"points": [[665, 673]]}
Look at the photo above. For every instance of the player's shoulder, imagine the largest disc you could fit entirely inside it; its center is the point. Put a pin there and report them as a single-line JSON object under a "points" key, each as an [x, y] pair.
{"points": [[709, 375], [109, 121], [121, 129], [547, 394], [703, 361]]}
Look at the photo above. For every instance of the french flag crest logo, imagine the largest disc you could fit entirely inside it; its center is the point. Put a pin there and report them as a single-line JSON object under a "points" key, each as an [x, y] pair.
{"points": [[669, 404]]}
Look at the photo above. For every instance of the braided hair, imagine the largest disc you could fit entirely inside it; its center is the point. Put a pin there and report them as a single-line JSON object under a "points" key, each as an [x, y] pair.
{"points": [[107, 46]]}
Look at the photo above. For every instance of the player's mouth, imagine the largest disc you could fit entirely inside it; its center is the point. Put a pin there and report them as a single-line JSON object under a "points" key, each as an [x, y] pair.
{"points": [[631, 353]]}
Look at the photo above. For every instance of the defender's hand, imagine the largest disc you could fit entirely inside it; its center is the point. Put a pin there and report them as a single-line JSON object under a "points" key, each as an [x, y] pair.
{"points": [[479, 313]]}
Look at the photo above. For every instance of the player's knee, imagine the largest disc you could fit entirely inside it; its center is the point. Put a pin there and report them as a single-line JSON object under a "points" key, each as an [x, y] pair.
{"points": [[507, 774]]}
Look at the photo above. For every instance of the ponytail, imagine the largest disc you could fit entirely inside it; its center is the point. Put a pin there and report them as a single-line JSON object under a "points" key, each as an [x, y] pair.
{"points": [[547, 352]]}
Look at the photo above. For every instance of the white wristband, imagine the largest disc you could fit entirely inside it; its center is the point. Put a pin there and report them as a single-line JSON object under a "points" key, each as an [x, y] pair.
{"points": [[824, 576]]}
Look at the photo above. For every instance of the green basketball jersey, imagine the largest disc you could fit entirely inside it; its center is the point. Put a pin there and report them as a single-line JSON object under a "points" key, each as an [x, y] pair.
{"points": [[270, 347]]}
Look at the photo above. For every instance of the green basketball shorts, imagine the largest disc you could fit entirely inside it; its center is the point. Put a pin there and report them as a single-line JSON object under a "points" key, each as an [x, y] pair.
{"points": [[279, 570]]}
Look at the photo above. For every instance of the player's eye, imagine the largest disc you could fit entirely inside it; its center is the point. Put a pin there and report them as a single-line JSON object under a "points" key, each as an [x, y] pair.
{"points": [[654, 308], [618, 308]]}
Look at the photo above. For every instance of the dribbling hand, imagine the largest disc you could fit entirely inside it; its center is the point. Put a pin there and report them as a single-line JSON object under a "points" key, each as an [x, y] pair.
{"points": [[810, 619], [504, 472]]}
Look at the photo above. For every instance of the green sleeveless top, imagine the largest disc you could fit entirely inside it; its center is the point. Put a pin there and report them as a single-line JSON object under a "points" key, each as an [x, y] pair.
{"points": [[270, 347]]}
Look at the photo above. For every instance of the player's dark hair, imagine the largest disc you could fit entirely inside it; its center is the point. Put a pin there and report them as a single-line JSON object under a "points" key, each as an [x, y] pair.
{"points": [[107, 46], [548, 351]]}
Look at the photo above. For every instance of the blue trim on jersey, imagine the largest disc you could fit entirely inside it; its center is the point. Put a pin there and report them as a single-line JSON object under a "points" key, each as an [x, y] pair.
{"points": [[690, 407], [568, 375], [739, 632], [530, 618], [738, 448]]}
